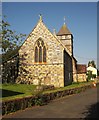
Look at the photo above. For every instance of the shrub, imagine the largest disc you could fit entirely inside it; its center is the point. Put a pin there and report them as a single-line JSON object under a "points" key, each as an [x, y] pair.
{"points": [[17, 104], [89, 75], [38, 101], [94, 76]]}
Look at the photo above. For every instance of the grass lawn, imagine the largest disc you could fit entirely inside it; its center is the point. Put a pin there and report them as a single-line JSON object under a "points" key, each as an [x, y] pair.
{"points": [[13, 91], [73, 85]]}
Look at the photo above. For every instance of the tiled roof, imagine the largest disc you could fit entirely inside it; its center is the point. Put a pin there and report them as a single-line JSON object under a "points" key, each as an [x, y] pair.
{"points": [[81, 68], [64, 30]]}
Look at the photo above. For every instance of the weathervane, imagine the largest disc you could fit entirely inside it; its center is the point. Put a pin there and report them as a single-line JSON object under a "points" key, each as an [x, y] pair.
{"points": [[40, 15], [64, 19]]}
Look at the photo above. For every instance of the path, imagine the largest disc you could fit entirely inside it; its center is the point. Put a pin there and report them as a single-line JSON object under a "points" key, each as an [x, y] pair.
{"points": [[80, 105]]}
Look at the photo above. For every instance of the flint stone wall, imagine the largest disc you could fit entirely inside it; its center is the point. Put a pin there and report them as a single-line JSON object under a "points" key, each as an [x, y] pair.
{"points": [[51, 72]]}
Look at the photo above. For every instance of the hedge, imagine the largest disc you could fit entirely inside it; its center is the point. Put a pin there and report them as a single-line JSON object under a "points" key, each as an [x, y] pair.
{"points": [[21, 104]]}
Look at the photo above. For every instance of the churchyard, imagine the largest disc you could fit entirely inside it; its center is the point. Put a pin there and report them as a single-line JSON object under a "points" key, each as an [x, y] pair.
{"points": [[13, 91], [21, 96]]}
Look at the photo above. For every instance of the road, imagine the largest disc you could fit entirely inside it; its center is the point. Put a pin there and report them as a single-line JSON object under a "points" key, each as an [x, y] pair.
{"points": [[82, 105]]}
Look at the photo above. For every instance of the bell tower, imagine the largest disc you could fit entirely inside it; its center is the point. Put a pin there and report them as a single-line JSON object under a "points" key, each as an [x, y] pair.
{"points": [[66, 37]]}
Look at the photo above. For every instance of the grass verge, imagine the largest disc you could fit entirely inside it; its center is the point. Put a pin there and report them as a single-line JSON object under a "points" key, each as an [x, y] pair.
{"points": [[13, 91], [73, 85]]}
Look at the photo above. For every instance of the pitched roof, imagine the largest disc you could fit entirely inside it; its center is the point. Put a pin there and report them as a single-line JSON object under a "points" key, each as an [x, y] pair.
{"points": [[41, 23], [64, 30], [81, 68]]}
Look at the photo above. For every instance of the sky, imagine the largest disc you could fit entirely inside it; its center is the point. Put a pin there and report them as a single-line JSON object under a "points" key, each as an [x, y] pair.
{"points": [[81, 20]]}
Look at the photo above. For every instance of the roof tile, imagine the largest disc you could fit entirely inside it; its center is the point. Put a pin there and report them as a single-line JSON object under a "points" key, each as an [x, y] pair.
{"points": [[81, 68], [64, 30]]}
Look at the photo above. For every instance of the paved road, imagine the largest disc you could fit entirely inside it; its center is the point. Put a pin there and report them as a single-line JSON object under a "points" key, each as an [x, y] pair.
{"points": [[82, 105]]}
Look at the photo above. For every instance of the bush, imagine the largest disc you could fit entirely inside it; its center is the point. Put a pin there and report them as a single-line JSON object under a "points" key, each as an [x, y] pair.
{"points": [[94, 76], [17, 104], [89, 75], [38, 101]]}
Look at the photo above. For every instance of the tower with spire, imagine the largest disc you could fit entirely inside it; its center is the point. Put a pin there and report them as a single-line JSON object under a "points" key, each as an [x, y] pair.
{"points": [[66, 37]]}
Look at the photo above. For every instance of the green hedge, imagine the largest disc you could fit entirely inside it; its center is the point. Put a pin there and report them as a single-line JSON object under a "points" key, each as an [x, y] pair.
{"points": [[17, 104], [20, 104]]}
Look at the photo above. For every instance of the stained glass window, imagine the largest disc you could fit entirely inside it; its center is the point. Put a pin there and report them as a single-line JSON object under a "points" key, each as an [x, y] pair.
{"points": [[40, 52], [36, 54], [44, 54]]}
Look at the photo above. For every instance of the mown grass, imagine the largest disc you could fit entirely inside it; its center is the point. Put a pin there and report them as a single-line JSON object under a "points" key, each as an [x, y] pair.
{"points": [[13, 91], [73, 85]]}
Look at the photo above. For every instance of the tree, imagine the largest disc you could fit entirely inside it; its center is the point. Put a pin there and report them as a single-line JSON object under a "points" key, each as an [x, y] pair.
{"points": [[11, 41], [92, 63], [97, 72], [10, 44], [89, 63], [89, 75]]}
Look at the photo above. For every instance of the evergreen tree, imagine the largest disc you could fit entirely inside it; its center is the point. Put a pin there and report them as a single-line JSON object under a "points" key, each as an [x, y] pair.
{"points": [[92, 63]]}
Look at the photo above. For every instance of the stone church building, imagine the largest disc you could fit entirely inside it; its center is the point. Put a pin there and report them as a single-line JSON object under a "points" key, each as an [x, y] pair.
{"points": [[46, 58]]}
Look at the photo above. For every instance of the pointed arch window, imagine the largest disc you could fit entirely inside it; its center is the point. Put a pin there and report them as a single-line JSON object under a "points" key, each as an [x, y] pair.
{"points": [[44, 54], [36, 54], [40, 52]]}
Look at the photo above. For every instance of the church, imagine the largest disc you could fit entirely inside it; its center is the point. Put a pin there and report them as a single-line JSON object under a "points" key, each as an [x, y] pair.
{"points": [[47, 58]]}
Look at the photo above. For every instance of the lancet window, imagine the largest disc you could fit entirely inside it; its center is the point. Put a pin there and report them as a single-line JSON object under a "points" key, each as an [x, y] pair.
{"points": [[40, 51]]}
